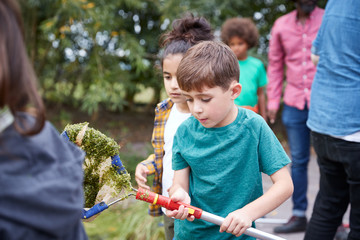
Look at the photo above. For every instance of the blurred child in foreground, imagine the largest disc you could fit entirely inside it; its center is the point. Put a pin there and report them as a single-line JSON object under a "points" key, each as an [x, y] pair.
{"points": [[41, 176], [220, 152]]}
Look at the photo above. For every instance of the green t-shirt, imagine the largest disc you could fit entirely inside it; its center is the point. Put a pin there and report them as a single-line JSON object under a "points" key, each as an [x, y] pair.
{"points": [[226, 165], [252, 77]]}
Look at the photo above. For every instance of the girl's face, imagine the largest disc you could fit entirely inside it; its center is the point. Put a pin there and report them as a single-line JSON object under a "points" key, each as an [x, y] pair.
{"points": [[239, 46], [170, 65]]}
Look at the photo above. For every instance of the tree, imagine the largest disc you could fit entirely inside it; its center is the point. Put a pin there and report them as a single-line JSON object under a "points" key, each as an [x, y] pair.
{"points": [[100, 53], [93, 54]]}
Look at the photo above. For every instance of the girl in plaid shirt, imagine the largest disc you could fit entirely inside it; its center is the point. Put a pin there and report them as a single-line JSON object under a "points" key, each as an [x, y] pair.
{"points": [[170, 113]]}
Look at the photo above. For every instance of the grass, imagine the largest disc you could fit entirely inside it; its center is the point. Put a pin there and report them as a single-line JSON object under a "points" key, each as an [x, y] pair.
{"points": [[126, 223]]}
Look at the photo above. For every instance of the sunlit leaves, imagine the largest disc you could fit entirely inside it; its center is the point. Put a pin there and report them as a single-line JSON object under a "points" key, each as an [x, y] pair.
{"points": [[106, 42]]}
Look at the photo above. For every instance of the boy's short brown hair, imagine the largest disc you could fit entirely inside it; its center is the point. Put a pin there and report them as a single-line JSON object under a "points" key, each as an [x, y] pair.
{"points": [[243, 28], [208, 64]]}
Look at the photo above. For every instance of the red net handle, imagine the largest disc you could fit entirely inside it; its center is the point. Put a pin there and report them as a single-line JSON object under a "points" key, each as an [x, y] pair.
{"points": [[154, 198]]}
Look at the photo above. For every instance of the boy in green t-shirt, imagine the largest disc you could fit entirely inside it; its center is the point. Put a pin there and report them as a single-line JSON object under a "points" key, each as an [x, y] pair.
{"points": [[221, 150]]}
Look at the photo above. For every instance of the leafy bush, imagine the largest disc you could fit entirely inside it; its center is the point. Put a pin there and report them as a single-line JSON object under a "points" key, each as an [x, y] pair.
{"points": [[100, 54]]}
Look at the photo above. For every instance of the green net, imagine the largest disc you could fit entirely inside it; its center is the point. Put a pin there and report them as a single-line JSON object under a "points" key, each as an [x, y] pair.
{"points": [[101, 178]]}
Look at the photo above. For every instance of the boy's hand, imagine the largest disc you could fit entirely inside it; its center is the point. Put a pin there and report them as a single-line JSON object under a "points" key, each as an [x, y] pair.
{"points": [[236, 223], [182, 213], [141, 173]]}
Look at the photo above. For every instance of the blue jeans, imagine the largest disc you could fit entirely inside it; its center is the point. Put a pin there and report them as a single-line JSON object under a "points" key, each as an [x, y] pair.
{"points": [[299, 142], [339, 164]]}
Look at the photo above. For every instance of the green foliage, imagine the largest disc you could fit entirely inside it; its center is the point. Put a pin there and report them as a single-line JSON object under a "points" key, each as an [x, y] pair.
{"points": [[126, 223], [96, 54], [93, 54]]}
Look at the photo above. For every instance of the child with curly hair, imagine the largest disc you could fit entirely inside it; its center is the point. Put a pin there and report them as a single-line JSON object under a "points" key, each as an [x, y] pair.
{"points": [[241, 34]]}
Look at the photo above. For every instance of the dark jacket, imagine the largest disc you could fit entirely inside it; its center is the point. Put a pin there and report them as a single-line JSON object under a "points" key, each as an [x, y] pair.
{"points": [[41, 195]]}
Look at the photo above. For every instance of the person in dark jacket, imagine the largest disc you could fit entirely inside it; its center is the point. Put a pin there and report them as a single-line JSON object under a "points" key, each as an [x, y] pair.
{"points": [[41, 194]]}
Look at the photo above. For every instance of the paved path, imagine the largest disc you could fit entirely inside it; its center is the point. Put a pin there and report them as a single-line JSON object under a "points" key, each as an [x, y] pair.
{"points": [[284, 211]]}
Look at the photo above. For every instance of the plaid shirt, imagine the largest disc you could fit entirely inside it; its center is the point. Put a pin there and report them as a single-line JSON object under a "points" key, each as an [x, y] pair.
{"points": [[154, 162]]}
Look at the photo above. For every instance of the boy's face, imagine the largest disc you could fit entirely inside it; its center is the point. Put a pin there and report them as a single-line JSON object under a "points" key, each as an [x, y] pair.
{"points": [[170, 65], [214, 107], [239, 47]]}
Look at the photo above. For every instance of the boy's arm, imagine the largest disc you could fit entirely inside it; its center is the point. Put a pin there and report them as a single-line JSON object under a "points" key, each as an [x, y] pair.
{"points": [[180, 180], [278, 193], [238, 221], [179, 192]]}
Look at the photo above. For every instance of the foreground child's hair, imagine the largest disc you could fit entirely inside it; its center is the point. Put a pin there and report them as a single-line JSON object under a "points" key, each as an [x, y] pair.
{"points": [[208, 64], [17, 79], [240, 27]]}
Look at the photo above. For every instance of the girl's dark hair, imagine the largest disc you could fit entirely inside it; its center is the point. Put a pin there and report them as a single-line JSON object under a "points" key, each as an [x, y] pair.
{"points": [[18, 90], [243, 28], [186, 32]]}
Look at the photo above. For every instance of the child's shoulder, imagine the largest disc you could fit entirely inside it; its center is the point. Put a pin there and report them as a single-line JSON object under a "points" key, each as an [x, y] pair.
{"points": [[249, 114], [250, 119], [191, 124], [255, 61], [47, 143]]}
